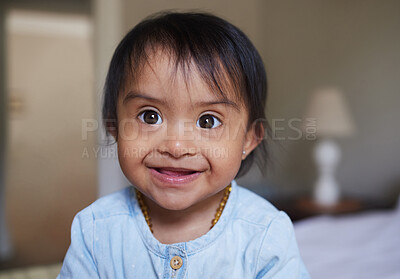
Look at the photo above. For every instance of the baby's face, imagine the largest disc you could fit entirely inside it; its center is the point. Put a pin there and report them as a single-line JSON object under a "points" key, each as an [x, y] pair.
{"points": [[179, 143]]}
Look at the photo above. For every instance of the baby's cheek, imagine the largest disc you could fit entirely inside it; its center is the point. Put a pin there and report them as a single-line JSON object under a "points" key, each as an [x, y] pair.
{"points": [[225, 162], [224, 149], [126, 157], [130, 158], [132, 151]]}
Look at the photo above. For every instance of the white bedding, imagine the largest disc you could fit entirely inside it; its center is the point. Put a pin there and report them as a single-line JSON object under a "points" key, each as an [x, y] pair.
{"points": [[365, 245]]}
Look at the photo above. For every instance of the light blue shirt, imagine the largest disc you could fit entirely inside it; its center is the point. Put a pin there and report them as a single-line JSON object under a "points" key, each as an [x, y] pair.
{"points": [[252, 239]]}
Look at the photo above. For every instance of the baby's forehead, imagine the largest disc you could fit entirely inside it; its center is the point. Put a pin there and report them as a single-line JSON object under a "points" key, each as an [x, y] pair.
{"points": [[161, 72]]}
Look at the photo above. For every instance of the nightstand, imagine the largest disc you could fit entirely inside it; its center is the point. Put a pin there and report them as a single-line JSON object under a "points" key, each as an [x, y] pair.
{"points": [[305, 207]]}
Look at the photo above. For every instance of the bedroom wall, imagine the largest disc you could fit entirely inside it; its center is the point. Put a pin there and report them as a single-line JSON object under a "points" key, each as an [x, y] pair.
{"points": [[353, 45], [241, 13]]}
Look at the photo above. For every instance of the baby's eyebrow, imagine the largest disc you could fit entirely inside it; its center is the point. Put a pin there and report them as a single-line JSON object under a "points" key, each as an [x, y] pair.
{"points": [[223, 102], [132, 95]]}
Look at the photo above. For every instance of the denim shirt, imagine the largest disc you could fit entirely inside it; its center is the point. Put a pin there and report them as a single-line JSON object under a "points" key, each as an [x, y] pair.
{"points": [[252, 239]]}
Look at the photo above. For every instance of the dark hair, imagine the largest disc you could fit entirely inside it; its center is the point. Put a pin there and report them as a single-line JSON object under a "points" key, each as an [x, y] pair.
{"points": [[222, 54]]}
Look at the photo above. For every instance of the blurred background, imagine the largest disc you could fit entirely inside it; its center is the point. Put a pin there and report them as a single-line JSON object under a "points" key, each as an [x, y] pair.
{"points": [[54, 56]]}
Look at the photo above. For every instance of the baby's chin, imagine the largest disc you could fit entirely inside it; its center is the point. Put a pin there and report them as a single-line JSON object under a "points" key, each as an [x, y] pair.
{"points": [[176, 203], [179, 202]]}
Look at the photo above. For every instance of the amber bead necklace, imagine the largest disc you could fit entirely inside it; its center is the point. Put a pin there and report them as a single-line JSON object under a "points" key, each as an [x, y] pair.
{"points": [[218, 214]]}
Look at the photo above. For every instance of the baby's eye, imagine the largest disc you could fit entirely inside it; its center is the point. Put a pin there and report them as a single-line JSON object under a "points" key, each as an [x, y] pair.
{"points": [[150, 117], [208, 121]]}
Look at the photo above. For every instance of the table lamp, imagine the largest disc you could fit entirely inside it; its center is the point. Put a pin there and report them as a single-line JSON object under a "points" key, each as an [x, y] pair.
{"points": [[328, 108]]}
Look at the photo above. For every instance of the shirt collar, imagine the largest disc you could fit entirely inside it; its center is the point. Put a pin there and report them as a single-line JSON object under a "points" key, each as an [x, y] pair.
{"points": [[189, 247]]}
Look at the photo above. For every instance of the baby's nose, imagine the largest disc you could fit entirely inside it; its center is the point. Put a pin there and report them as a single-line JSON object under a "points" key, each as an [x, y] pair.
{"points": [[179, 140]]}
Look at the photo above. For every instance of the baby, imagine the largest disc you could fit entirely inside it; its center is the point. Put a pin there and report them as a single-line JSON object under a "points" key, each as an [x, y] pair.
{"points": [[184, 100]]}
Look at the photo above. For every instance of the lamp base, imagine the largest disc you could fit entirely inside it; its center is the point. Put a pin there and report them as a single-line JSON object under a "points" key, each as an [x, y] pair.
{"points": [[327, 155]]}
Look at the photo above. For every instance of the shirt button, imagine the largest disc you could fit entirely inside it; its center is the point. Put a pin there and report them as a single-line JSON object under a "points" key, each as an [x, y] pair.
{"points": [[176, 262]]}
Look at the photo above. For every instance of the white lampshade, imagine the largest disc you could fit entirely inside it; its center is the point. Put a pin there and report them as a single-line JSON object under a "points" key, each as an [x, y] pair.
{"points": [[328, 107]]}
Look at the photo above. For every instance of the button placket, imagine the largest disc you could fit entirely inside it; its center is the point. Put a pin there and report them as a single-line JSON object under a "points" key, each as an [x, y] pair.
{"points": [[177, 262]]}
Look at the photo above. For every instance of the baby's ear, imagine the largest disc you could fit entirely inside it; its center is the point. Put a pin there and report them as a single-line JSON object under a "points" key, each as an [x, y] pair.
{"points": [[254, 136]]}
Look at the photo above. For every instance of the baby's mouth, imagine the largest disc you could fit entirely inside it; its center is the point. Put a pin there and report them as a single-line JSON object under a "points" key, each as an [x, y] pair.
{"points": [[174, 177], [175, 171]]}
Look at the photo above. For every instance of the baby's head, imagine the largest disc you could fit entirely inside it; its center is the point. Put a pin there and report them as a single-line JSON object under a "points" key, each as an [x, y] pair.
{"points": [[185, 97]]}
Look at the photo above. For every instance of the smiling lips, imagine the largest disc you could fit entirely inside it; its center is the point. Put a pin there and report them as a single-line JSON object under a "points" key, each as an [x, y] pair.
{"points": [[174, 176], [175, 172]]}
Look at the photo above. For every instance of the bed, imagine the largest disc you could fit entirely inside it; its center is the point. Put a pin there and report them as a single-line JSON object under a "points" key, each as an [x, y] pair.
{"points": [[363, 245]]}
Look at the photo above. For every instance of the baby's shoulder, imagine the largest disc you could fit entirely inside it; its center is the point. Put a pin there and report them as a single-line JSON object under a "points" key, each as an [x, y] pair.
{"points": [[117, 203], [253, 208]]}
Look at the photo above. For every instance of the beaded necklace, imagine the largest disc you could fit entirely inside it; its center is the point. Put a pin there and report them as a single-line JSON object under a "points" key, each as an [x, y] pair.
{"points": [[218, 214]]}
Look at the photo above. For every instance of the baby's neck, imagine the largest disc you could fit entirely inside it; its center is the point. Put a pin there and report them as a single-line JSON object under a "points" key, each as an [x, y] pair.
{"points": [[173, 226]]}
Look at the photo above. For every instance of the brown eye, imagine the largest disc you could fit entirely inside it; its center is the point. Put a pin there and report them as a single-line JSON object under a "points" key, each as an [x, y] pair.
{"points": [[150, 117], [208, 121]]}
